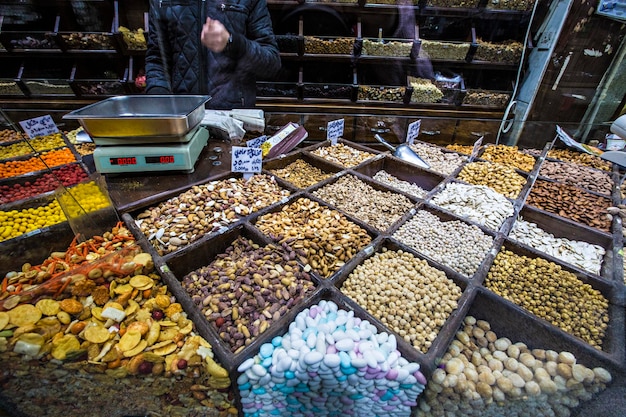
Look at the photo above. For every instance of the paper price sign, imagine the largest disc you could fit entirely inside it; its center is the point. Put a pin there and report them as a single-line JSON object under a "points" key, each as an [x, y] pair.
{"points": [[477, 146], [39, 126], [334, 130], [256, 142], [413, 132], [246, 159]]}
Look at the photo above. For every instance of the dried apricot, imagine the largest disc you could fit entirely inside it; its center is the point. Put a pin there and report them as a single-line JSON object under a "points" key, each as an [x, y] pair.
{"points": [[173, 309], [71, 306]]}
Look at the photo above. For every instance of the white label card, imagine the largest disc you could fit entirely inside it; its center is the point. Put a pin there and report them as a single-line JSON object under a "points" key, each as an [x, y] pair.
{"points": [[413, 131], [246, 159], [256, 142], [39, 126], [334, 130]]}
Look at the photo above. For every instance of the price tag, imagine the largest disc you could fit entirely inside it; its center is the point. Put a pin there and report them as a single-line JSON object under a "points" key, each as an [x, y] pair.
{"points": [[39, 126], [256, 142], [413, 131], [246, 159], [334, 130], [477, 146]]}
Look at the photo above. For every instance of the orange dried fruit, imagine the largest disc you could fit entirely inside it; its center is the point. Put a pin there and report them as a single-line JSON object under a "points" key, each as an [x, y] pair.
{"points": [[162, 301], [140, 326], [24, 315], [71, 306], [173, 309], [96, 334], [48, 307], [129, 341]]}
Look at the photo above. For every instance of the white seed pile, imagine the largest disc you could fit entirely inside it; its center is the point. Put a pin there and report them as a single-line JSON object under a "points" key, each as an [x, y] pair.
{"points": [[477, 203], [439, 160], [405, 293], [402, 185], [485, 376], [456, 244], [584, 255]]}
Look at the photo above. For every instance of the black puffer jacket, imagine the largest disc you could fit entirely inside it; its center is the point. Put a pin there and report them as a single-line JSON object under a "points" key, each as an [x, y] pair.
{"points": [[177, 62]]}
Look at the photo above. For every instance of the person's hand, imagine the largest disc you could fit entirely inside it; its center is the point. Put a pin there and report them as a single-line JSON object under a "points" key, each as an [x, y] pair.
{"points": [[214, 35]]}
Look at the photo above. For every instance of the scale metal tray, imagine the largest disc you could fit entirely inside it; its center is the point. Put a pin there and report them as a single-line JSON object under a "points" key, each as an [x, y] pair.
{"points": [[141, 116]]}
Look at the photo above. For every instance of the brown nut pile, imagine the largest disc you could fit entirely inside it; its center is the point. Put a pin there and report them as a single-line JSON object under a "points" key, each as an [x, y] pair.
{"points": [[508, 52], [464, 149], [482, 374], [206, 208], [247, 288], [313, 45], [579, 158], [551, 293], [377, 208], [485, 98], [406, 294], [79, 40], [322, 238], [571, 202], [501, 178], [579, 175], [301, 174], [388, 48], [508, 155], [367, 92], [445, 50], [344, 155], [510, 4]]}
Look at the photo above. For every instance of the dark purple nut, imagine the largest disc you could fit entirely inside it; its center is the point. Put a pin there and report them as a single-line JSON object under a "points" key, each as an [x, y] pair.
{"points": [[238, 336]]}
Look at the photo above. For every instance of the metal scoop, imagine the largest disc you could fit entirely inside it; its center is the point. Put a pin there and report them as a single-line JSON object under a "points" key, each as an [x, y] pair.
{"points": [[404, 152]]}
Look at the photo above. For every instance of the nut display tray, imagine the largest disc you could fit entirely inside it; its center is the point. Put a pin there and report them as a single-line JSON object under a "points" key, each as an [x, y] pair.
{"points": [[141, 116]]}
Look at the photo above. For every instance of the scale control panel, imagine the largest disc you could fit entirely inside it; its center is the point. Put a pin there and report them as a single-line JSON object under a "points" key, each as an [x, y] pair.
{"points": [[151, 157]]}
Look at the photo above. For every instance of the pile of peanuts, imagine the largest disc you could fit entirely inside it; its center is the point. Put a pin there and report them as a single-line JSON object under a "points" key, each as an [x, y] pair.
{"points": [[508, 155], [483, 375], [301, 174], [406, 294], [551, 293]]}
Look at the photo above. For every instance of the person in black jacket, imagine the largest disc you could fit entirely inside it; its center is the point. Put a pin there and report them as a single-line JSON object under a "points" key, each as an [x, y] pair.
{"points": [[213, 47]]}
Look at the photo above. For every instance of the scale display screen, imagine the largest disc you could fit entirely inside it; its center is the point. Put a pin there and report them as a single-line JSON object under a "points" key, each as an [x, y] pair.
{"points": [[163, 159], [130, 160]]}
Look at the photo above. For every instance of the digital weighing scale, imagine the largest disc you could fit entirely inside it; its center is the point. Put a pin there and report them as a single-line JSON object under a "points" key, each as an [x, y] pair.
{"points": [[115, 155]]}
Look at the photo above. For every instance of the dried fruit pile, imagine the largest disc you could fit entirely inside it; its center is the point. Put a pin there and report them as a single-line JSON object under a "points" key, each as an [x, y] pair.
{"points": [[100, 308]]}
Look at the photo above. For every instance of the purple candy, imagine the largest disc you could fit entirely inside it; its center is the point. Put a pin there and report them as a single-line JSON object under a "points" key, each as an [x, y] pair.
{"points": [[331, 349], [313, 312], [388, 407], [393, 374], [420, 377], [372, 370]]}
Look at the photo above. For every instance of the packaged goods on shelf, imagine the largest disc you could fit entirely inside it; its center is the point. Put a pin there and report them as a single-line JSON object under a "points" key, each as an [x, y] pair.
{"points": [[424, 91], [386, 48]]}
